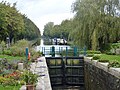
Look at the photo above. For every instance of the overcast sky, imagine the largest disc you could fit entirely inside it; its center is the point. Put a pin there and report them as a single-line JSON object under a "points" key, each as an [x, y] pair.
{"points": [[43, 11]]}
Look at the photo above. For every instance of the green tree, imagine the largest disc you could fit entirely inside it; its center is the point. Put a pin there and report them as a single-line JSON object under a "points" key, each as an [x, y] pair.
{"points": [[11, 21], [97, 23], [47, 29], [58, 31], [15, 25], [30, 32]]}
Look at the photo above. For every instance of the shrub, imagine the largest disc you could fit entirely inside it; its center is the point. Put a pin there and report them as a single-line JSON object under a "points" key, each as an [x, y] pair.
{"points": [[115, 45], [35, 55], [29, 78], [7, 52], [91, 52], [18, 49], [2, 79], [96, 57], [10, 82], [22, 43], [110, 53], [102, 60], [2, 46], [115, 64]]}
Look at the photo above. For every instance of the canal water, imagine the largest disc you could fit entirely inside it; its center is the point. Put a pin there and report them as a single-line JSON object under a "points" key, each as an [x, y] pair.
{"points": [[46, 45]]}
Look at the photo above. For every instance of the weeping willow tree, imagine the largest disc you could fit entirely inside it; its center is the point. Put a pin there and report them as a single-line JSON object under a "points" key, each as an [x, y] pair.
{"points": [[97, 23]]}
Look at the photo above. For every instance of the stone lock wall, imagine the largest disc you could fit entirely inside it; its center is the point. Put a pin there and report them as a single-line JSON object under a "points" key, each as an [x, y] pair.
{"points": [[99, 77]]}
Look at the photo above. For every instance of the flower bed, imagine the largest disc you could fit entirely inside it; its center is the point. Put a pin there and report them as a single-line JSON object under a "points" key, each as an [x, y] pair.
{"points": [[10, 81]]}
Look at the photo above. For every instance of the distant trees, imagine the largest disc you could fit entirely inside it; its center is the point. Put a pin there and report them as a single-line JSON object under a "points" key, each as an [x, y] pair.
{"points": [[48, 29], [13, 24], [58, 31]]}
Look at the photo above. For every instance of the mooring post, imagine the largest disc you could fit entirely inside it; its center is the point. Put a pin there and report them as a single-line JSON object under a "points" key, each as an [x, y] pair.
{"points": [[75, 51], [26, 50], [53, 51]]}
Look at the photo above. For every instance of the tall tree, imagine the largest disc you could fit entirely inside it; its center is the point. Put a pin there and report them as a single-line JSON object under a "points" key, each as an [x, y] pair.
{"points": [[11, 19], [15, 25], [97, 22], [47, 29]]}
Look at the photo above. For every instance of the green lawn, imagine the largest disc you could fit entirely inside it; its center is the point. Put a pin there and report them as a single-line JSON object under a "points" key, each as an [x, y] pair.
{"points": [[12, 57], [110, 57], [9, 87]]}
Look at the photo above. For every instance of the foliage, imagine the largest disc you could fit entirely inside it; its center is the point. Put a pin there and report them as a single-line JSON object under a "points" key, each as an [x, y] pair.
{"points": [[35, 55], [115, 45], [15, 25], [10, 81], [14, 75], [58, 31], [115, 64], [29, 77], [9, 87], [7, 67], [47, 29], [30, 32], [110, 53], [2, 46], [98, 23], [4, 65], [7, 52], [102, 60], [96, 57], [11, 21], [18, 49], [91, 52]]}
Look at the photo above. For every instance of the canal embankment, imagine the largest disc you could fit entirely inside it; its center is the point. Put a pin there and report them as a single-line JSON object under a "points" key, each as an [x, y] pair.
{"points": [[98, 76]]}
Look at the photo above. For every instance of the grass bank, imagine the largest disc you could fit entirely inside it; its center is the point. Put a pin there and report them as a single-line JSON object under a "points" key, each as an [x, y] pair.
{"points": [[110, 57], [9, 87], [12, 57]]}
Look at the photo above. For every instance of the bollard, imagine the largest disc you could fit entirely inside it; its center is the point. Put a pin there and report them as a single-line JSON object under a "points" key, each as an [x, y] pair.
{"points": [[75, 51], [53, 51], [26, 50]]}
